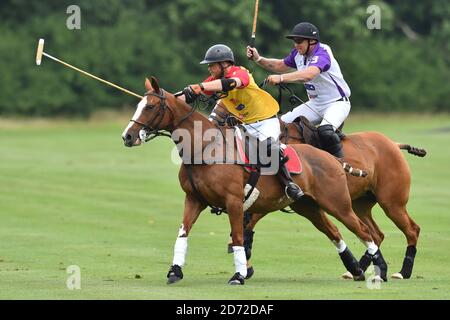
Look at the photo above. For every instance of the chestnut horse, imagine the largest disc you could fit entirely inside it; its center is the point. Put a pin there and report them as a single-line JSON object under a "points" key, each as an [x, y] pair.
{"points": [[388, 184], [222, 185]]}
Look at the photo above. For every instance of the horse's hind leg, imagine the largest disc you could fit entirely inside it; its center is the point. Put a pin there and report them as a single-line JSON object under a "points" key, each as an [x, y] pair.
{"points": [[363, 208], [342, 210], [399, 215], [310, 210], [392, 193]]}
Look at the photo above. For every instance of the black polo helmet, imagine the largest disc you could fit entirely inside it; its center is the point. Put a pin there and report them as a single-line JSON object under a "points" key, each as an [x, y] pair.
{"points": [[304, 30], [218, 53]]}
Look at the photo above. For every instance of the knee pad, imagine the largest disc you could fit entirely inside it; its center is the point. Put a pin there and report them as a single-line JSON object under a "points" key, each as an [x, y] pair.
{"points": [[327, 134], [329, 140]]}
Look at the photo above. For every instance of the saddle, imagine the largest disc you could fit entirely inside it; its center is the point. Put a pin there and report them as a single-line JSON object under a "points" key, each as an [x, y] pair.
{"points": [[309, 134]]}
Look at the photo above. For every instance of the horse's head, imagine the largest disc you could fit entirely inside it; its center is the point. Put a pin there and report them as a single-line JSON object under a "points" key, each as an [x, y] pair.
{"points": [[150, 116]]}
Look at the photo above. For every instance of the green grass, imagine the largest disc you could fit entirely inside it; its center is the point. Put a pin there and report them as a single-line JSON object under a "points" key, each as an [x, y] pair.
{"points": [[72, 194]]}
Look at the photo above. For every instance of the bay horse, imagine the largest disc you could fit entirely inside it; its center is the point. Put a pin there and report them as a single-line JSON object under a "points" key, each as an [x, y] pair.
{"points": [[388, 184], [222, 185]]}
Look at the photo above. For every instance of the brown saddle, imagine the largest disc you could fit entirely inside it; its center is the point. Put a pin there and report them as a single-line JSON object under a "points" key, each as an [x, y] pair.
{"points": [[309, 134]]}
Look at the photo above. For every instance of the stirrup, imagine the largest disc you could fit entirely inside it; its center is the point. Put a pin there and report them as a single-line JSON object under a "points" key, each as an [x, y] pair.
{"points": [[293, 191]]}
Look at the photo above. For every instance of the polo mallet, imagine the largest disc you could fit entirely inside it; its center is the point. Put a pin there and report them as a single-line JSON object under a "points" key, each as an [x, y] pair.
{"points": [[255, 19], [40, 52]]}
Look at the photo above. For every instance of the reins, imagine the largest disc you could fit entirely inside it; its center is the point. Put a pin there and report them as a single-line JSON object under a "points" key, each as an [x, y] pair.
{"points": [[153, 130]]}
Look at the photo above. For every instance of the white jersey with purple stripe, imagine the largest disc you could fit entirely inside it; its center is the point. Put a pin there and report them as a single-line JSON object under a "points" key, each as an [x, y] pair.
{"points": [[329, 85]]}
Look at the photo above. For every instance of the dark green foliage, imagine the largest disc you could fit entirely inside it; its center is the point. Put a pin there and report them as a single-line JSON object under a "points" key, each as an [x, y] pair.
{"points": [[404, 66]]}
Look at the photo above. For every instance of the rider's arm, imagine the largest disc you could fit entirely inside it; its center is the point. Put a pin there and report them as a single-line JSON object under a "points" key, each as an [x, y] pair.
{"points": [[320, 62], [273, 65], [208, 87], [216, 85], [304, 75], [236, 78]]}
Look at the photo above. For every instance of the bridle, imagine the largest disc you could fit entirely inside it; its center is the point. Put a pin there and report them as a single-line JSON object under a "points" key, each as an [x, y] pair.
{"points": [[152, 127]]}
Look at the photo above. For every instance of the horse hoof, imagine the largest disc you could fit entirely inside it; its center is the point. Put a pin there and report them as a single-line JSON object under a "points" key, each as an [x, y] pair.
{"points": [[250, 272], [347, 276], [175, 274], [377, 279], [397, 275], [361, 277], [173, 279], [236, 279]]}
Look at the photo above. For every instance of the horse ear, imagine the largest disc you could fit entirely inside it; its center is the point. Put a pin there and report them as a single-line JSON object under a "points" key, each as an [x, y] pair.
{"points": [[148, 85], [155, 84]]}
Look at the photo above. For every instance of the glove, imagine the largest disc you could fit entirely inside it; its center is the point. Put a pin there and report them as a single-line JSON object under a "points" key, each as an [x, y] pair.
{"points": [[252, 54], [189, 95], [192, 92]]}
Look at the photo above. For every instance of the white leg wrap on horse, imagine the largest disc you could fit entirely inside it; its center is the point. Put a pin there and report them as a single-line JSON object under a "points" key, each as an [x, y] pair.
{"points": [[372, 248], [179, 252], [340, 246], [240, 261]]}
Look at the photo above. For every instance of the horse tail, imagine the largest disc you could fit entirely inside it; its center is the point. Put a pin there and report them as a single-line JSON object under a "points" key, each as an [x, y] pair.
{"points": [[413, 150], [354, 172]]}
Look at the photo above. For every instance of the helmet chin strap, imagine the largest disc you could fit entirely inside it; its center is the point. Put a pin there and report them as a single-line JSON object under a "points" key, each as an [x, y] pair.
{"points": [[222, 69], [307, 50]]}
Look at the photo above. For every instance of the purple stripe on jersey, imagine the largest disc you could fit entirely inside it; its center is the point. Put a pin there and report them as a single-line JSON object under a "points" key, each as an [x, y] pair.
{"points": [[321, 59], [338, 87], [290, 59]]}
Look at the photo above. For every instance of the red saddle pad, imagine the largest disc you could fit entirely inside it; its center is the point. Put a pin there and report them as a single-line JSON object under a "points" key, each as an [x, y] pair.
{"points": [[294, 164]]}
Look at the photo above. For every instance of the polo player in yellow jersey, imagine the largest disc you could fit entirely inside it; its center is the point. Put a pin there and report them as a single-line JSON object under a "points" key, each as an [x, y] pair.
{"points": [[256, 108]]}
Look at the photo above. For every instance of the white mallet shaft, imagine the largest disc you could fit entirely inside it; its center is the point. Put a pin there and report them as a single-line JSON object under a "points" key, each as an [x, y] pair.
{"points": [[41, 53]]}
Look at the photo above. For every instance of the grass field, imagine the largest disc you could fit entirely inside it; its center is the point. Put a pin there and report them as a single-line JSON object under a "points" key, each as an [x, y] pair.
{"points": [[72, 194]]}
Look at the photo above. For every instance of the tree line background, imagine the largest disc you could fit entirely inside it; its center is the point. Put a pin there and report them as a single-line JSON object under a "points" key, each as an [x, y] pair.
{"points": [[405, 66]]}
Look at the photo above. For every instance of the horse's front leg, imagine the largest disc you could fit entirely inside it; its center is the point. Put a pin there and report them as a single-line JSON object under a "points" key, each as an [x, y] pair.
{"points": [[235, 214], [192, 209]]}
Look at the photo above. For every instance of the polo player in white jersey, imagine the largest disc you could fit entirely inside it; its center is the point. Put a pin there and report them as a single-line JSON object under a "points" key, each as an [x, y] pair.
{"points": [[328, 93]]}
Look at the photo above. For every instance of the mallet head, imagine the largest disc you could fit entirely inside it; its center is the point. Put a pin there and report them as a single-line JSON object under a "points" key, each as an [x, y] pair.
{"points": [[40, 50]]}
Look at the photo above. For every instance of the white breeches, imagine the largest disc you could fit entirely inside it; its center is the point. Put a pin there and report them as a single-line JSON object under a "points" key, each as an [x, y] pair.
{"points": [[333, 113], [269, 128]]}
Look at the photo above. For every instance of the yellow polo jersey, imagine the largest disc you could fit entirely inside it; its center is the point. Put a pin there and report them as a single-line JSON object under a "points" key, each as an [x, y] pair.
{"points": [[248, 103]]}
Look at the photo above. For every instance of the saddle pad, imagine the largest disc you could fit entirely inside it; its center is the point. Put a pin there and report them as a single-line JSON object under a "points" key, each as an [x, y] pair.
{"points": [[294, 164]]}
